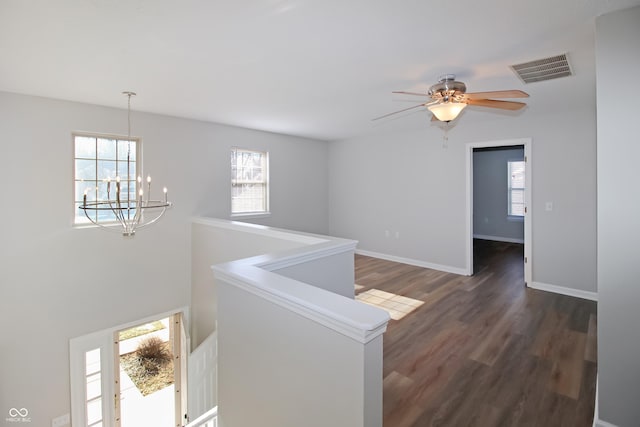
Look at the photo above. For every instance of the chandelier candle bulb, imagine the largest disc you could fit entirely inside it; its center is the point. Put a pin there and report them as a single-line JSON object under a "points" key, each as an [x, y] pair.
{"points": [[164, 190]]}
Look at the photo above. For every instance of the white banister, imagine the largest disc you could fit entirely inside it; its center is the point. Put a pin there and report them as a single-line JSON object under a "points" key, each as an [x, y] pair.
{"points": [[294, 347], [208, 419]]}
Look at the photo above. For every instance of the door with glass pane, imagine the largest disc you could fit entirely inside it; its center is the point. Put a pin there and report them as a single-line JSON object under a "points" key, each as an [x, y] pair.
{"points": [[148, 381]]}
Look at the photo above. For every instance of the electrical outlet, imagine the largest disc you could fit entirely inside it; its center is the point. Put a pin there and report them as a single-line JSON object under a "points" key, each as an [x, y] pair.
{"points": [[61, 421]]}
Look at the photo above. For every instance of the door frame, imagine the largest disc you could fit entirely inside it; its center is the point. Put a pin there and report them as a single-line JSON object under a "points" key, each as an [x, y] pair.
{"points": [[104, 340], [526, 142]]}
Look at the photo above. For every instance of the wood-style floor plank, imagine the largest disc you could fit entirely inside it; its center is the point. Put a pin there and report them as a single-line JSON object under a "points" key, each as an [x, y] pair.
{"points": [[484, 350]]}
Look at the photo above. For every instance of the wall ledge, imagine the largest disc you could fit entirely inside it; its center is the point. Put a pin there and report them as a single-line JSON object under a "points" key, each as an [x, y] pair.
{"points": [[263, 230], [255, 275], [355, 320]]}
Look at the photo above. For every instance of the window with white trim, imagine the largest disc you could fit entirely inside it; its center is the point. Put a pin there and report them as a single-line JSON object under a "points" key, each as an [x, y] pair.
{"points": [[98, 159], [515, 179], [249, 182]]}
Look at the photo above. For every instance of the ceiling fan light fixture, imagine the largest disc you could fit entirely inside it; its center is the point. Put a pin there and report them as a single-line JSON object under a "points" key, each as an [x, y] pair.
{"points": [[447, 111]]}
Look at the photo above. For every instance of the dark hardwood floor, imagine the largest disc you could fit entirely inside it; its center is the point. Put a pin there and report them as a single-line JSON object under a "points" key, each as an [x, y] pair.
{"points": [[484, 350]]}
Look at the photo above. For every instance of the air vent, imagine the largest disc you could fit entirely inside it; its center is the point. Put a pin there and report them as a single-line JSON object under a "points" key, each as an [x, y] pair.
{"points": [[543, 69]]}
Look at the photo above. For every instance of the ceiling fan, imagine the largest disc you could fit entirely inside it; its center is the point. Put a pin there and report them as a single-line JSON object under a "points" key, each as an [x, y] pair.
{"points": [[449, 98]]}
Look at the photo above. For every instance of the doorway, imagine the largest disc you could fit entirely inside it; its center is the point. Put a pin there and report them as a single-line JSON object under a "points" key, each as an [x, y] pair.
{"points": [[149, 372], [526, 144], [101, 395]]}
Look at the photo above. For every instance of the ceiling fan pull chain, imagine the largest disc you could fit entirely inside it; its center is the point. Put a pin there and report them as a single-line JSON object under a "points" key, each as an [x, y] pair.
{"points": [[445, 136]]}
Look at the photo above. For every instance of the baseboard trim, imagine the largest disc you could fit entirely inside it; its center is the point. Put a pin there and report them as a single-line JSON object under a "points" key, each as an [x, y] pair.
{"points": [[578, 293], [600, 423], [417, 263], [498, 238]]}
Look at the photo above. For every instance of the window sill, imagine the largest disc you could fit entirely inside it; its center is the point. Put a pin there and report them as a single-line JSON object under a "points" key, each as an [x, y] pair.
{"points": [[250, 215], [515, 218]]}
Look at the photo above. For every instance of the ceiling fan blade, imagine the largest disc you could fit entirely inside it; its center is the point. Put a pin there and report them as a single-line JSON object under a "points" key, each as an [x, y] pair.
{"points": [[492, 103], [402, 92], [399, 111], [497, 94]]}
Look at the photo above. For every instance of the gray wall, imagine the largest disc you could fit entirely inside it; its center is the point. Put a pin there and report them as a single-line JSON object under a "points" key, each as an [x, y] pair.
{"points": [[490, 189], [59, 282], [617, 59], [404, 180]]}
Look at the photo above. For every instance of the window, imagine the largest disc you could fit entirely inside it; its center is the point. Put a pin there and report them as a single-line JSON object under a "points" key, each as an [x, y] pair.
{"points": [[98, 159], [515, 188], [249, 182]]}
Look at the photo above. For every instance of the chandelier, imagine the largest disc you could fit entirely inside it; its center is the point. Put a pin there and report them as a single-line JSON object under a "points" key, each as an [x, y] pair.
{"points": [[130, 213]]}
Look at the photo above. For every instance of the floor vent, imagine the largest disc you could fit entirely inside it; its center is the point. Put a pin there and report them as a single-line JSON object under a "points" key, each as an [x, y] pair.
{"points": [[543, 69]]}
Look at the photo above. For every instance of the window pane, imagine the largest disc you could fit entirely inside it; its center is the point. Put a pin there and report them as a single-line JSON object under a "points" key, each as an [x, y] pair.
{"points": [[94, 386], [122, 171], [127, 189], [248, 198], [92, 361], [106, 149], [124, 148], [517, 210], [516, 172], [81, 186], [85, 169], [85, 147], [517, 197], [94, 411], [107, 169], [102, 191]]}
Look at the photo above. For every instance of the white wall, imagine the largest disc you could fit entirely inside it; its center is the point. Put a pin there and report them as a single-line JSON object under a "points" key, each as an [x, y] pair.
{"points": [[490, 189], [59, 282], [404, 181], [618, 57]]}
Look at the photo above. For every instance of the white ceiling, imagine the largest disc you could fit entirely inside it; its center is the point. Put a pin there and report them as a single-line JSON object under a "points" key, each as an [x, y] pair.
{"points": [[315, 68]]}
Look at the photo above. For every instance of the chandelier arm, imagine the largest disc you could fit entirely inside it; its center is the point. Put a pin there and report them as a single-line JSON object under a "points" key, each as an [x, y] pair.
{"points": [[106, 227], [138, 215], [117, 212], [164, 208]]}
